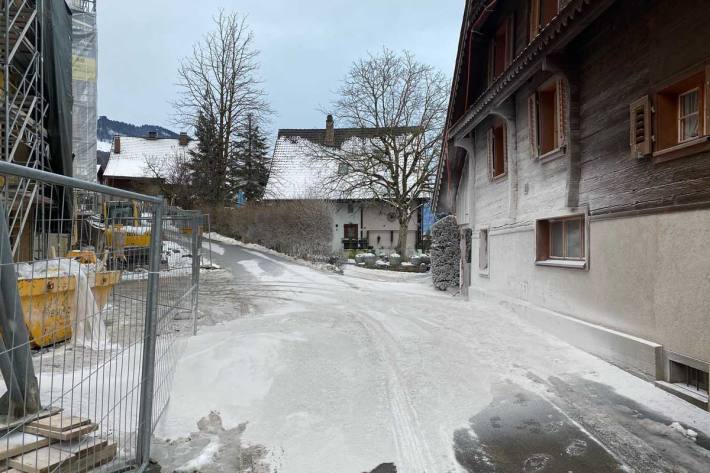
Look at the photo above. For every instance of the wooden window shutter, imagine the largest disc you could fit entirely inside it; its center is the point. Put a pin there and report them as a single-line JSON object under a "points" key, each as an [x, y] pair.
{"points": [[490, 152], [534, 18], [640, 127], [510, 40], [491, 61], [561, 112], [706, 100], [532, 126]]}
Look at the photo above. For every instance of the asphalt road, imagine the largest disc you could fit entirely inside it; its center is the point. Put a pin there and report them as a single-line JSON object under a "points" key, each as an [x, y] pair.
{"points": [[372, 371]]}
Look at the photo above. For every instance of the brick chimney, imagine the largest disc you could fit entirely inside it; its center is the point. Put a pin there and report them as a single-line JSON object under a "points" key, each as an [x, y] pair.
{"points": [[152, 135], [184, 139], [329, 139], [116, 144]]}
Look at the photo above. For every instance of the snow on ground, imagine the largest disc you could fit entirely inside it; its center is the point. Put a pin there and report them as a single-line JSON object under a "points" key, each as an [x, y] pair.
{"points": [[347, 372], [214, 236], [210, 238]]}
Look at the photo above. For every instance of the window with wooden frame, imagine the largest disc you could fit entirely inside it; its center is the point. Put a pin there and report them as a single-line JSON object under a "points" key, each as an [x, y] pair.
{"points": [[542, 12], [682, 116], [561, 242], [546, 118], [500, 53], [350, 231], [497, 150]]}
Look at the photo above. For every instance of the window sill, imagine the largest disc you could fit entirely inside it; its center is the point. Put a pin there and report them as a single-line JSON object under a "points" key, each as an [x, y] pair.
{"points": [[563, 263], [500, 177], [554, 154], [484, 273], [682, 150], [694, 397]]}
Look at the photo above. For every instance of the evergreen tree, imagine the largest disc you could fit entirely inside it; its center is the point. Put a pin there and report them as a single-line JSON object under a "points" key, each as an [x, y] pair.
{"points": [[250, 164], [205, 182]]}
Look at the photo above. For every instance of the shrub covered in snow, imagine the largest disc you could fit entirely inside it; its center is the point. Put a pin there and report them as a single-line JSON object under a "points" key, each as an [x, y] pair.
{"points": [[370, 259], [299, 228], [445, 253]]}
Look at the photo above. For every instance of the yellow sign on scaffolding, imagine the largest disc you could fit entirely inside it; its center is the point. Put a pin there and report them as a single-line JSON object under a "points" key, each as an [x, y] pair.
{"points": [[83, 68]]}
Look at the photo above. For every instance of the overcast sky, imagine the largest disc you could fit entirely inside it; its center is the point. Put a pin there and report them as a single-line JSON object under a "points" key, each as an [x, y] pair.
{"points": [[307, 47]]}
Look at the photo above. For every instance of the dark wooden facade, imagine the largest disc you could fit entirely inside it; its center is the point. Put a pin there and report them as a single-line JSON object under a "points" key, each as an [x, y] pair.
{"points": [[612, 53]]}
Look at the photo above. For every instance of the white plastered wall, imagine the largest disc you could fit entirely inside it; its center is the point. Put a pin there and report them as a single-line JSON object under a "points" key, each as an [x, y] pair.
{"points": [[648, 277]]}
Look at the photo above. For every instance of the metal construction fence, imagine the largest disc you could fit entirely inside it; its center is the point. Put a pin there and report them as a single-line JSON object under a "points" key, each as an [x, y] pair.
{"points": [[97, 288]]}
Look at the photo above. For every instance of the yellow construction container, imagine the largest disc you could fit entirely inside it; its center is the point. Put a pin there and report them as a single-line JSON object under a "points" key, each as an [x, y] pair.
{"points": [[188, 230], [49, 304]]}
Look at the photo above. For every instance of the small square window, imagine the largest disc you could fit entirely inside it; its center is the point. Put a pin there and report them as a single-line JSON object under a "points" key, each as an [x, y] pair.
{"points": [[342, 169], [680, 115], [689, 378], [561, 242]]}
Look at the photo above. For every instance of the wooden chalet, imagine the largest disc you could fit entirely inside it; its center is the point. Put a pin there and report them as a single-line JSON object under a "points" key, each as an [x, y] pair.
{"points": [[577, 163]]}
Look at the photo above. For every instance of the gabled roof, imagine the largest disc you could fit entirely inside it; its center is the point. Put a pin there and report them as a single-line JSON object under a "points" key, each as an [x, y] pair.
{"points": [[295, 174], [138, 154]]}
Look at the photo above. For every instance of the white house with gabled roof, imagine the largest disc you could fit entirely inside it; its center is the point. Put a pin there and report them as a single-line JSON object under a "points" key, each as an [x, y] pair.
{"points": [[361, 221]]}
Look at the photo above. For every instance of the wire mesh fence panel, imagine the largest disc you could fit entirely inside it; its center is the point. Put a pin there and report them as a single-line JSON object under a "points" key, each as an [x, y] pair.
{"points": [[95, 291], [176, 298]]}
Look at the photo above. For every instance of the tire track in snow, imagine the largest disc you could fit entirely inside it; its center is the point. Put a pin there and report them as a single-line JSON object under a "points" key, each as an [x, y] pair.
{"points": [[413, 453]]}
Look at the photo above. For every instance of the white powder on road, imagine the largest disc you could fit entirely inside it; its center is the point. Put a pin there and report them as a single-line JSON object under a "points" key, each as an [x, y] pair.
{"points": [[342, 373]]}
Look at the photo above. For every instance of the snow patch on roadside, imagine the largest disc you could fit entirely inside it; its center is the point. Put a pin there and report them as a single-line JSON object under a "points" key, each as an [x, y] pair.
{"points": [[214, 236], [320, 266], [683, 431], [207, 457], [213, 247]]}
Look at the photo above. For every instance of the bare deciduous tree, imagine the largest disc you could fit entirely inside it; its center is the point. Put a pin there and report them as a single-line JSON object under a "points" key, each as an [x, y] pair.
{"points": [[219, 80], [403, 102], [173, 177]]}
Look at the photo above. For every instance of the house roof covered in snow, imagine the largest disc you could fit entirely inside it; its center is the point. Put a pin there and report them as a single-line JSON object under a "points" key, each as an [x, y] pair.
{"points": [[295, 174], [340, 135], [146, 157]]}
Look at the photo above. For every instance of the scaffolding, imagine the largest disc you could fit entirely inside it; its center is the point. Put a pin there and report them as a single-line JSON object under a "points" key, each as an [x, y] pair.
{"points": [[84, 90], [24, 108], [87, 6]]}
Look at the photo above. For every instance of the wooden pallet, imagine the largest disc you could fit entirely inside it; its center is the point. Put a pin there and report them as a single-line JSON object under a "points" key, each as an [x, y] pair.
{"points": [[18, 443], [61, 428], [55, 444]]}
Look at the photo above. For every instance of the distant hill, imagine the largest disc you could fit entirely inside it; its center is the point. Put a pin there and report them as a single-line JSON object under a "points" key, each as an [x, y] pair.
{"points": [[106, 128]]}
